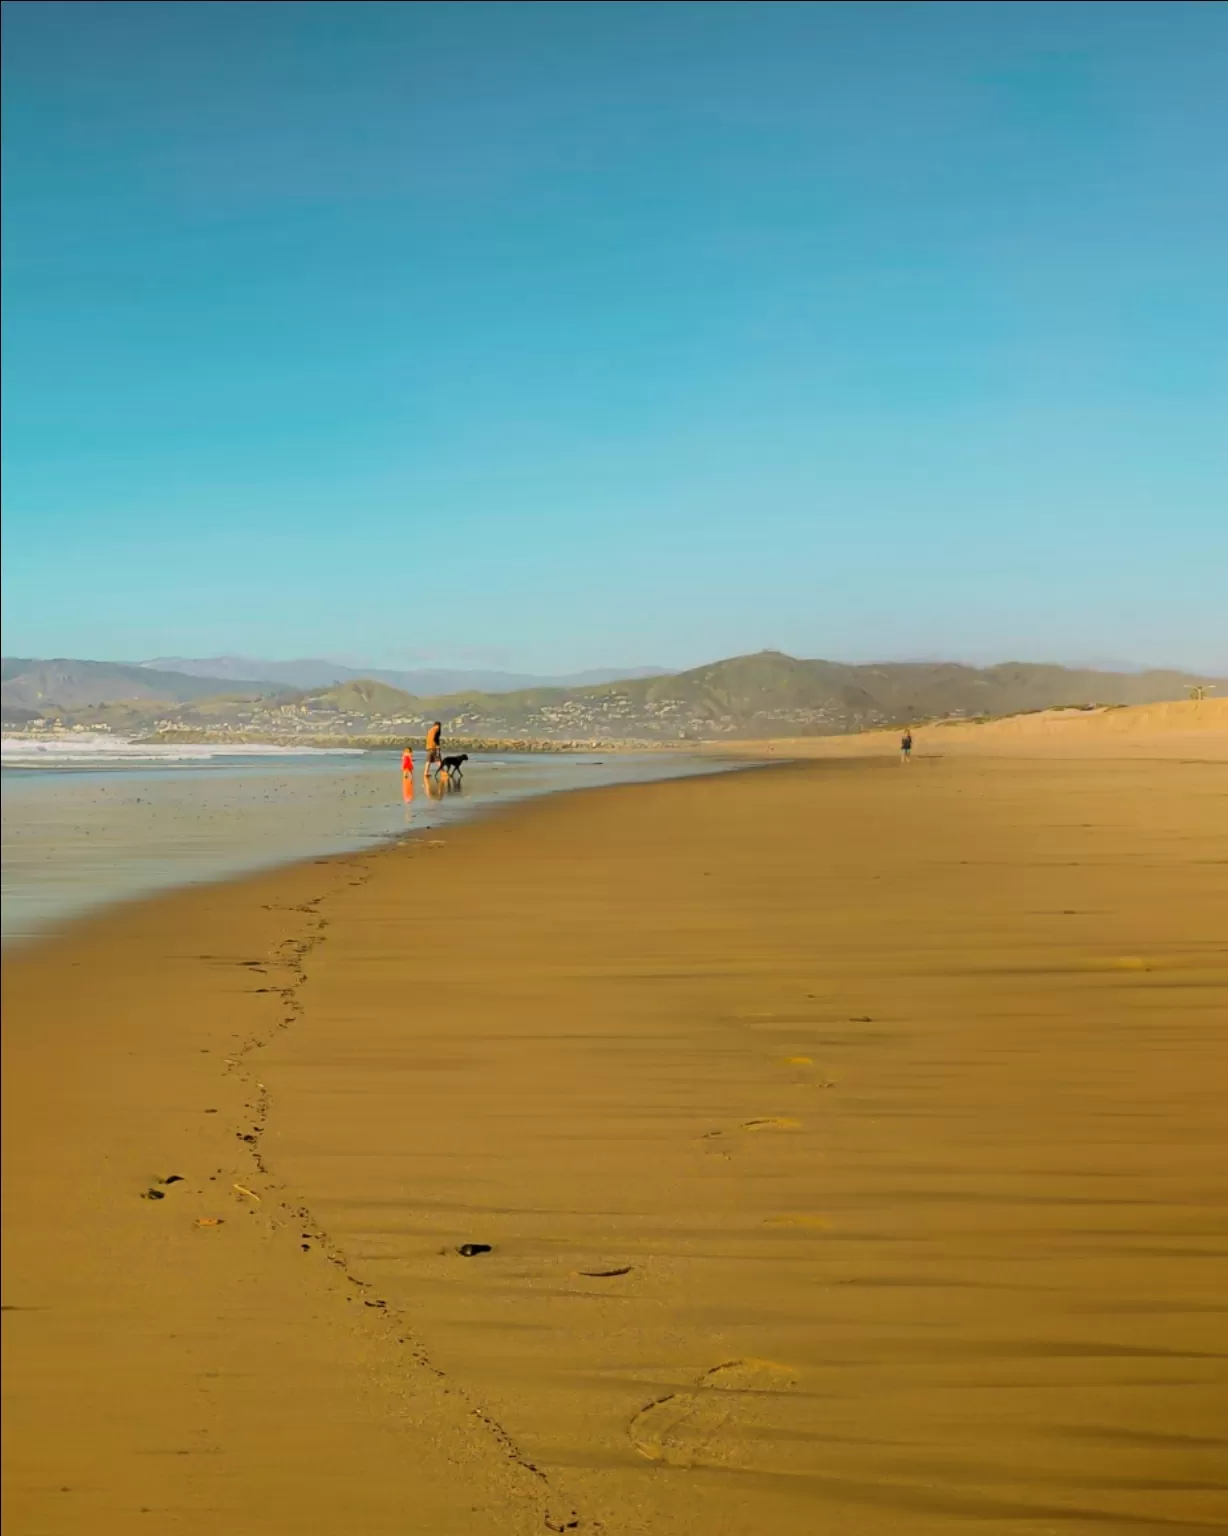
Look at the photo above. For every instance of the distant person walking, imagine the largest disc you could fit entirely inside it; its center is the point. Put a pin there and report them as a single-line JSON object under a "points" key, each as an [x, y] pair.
{"points": [[434, 748], [906, 747]]}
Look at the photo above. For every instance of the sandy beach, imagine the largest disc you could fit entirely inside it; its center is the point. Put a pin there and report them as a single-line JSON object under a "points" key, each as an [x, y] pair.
{"points": [[848, 1140]]}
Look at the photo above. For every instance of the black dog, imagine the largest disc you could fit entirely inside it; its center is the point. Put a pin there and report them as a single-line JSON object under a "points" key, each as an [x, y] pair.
{"points": [[450, 767]]}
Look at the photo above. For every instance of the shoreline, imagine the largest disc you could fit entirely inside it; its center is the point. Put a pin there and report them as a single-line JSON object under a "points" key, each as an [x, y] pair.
{"points": [[80, 837], [352, 742], [676, 1050]]}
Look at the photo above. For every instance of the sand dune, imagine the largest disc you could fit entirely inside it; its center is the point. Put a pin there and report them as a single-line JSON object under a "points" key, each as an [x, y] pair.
{"points": [[1179, 728], [844, 1143]]}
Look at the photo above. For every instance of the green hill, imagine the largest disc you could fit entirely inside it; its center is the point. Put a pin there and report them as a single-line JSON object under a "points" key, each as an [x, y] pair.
{"points": [[361, 697]]}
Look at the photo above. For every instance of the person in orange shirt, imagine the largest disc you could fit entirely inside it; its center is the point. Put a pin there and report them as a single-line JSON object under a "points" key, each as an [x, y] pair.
{"points": [[434, 748]]}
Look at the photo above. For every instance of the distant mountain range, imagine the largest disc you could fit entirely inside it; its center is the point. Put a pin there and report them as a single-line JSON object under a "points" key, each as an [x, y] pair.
{"points": [[426, 682], [35, 686], [768, 694]]}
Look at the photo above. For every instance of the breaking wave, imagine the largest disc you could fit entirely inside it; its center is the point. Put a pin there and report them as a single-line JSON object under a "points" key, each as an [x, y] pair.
{"points": [[85, 749]]}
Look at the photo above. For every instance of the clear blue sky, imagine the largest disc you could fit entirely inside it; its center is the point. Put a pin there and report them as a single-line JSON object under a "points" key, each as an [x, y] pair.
{"points": [[561, 335]]}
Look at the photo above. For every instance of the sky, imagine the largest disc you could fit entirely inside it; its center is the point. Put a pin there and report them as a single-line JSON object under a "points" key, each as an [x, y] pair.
{"points": [[552, 336]]}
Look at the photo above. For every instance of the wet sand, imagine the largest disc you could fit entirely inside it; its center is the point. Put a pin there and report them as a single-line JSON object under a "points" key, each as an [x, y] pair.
{"points": [[849, 1138], [83, 836]]}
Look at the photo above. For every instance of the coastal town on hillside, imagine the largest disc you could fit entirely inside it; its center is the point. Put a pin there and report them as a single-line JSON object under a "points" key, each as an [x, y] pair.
{"points": [[613, 719], [753, 697]]}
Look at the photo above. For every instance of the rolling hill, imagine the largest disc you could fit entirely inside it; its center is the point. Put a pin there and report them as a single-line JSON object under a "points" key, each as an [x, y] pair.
{"points": [[745, 697], [768, 694], [773, 694], [66, 684], [314, 672]]}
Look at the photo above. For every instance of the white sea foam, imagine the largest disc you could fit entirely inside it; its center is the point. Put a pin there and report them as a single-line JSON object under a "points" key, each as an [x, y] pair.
{"points": [[83, 749]]}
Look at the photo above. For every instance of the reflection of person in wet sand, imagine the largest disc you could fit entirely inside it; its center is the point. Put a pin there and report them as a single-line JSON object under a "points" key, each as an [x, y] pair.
{"points": [[906, 747], [436, 787], [434, 749]]}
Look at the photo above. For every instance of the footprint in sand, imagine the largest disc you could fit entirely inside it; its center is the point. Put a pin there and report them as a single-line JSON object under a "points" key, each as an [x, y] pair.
{"points": [[711, 1423], [772, 1123]]}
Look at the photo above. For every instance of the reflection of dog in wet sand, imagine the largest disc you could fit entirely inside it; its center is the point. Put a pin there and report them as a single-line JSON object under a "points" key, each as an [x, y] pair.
{"points": [[450, 767]]}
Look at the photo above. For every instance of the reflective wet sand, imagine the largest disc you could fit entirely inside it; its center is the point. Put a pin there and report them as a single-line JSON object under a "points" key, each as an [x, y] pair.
{"points": [[77, 838]]}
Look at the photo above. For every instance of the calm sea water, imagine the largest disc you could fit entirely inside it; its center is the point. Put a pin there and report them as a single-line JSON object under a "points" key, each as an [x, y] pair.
{"points": [[84, 828]]}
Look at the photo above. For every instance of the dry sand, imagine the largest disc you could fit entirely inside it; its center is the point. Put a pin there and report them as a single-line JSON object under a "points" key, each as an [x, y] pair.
{"points": [[850, 1139], [1183, 728]]}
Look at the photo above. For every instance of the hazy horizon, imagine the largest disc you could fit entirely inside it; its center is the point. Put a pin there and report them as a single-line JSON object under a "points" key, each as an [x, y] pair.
{"points": [[614, 672]]}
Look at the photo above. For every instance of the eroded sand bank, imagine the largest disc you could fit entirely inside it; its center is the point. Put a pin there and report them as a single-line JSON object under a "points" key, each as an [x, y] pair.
{"points": [[849, 1139]]}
